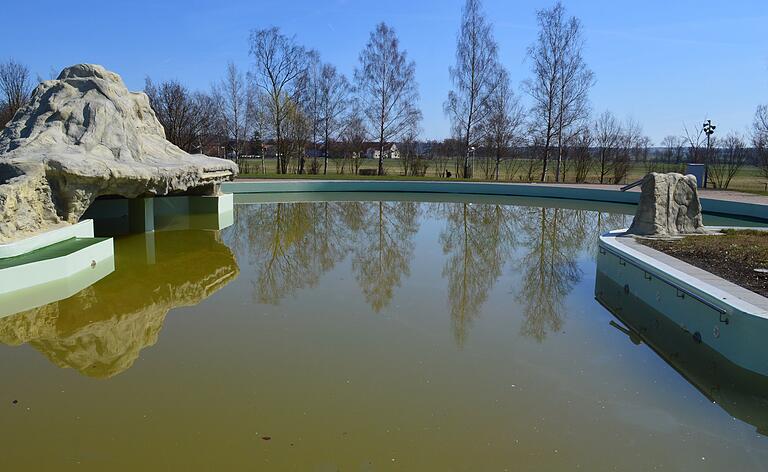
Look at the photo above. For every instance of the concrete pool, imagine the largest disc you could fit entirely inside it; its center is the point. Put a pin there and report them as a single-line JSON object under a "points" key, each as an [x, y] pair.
{"points": [[361, 331]]}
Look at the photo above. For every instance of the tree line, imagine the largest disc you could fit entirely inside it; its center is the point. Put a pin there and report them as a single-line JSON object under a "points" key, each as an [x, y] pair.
{"points": [[291, 105]]}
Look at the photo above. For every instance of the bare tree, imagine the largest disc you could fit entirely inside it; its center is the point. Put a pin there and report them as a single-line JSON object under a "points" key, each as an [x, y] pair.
{"points": [[15, 89], [354, 138], [727, 160], [505, 117], [697, 145], [334, 103], [233, 96], [386, 84], [561, 80], [575, 80], [673, 150], [313, 104], [582, 155], [760, 138], [187, 117], [279, 65], [607, 135], [636, 146], [474, 77]]}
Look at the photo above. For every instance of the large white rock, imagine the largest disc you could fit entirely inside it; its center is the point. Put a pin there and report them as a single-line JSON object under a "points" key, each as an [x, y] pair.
{"points": [[669, 206], [82, 136]]}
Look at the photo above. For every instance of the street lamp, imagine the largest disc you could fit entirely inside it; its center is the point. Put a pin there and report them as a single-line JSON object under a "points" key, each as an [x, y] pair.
{"points": [[709, 130], [472, 150]]}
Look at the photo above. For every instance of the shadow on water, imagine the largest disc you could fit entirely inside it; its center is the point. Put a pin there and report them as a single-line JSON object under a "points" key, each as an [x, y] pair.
{"points": [[100, 331], [740, 392]]}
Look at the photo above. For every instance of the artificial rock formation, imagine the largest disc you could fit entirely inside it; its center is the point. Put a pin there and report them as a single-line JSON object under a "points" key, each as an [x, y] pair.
{"points": [[82, 136], [669, 206]]}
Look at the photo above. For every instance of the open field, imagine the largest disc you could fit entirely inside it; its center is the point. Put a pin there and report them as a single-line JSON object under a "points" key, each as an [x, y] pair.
{"points": [[748, 178]]}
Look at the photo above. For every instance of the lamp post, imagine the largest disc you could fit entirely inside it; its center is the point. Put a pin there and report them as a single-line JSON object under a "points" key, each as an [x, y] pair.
{"points": [[472, 151], [709, 130]]}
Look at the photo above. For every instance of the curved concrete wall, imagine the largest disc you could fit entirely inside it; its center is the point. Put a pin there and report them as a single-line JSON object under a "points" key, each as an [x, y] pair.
{"points": [[713, 206]]}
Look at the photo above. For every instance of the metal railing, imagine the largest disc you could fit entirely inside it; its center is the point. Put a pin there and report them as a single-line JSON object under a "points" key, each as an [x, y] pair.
{"points": [[680, 290]]}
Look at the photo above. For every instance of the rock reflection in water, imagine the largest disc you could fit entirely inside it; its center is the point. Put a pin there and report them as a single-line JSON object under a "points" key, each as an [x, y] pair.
{"points": [[740, 392], [101, 330]]}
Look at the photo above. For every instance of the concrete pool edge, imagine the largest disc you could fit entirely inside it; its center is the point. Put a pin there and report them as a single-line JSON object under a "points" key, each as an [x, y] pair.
{"points": [[725, 207], [724, 316], [58, 263], [82, 229]]}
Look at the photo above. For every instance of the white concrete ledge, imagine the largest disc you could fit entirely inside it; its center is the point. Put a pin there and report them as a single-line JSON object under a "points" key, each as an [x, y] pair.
{"points": [[50, 269], [729, 318], [83, 229]]}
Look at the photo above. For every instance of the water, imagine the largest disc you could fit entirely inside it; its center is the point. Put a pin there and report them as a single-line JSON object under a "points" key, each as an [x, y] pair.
{"points": [[417, 334]]}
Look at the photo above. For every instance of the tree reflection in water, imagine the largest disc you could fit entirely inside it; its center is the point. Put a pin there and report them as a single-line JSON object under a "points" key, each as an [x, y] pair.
{"points": [[384, 249], [477, 240], [290, 246], [553, 238]]}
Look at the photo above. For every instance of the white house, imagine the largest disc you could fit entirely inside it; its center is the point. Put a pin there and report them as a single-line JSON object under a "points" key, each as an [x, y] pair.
{"points": [[391, 153]]}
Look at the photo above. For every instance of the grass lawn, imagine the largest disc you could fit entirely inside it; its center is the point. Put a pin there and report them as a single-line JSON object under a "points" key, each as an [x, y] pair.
{"points": [[748, 179], [734, 255]]}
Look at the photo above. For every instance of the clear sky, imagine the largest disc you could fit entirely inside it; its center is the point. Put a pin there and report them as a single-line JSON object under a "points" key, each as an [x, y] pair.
{"points": [[662, 62]]}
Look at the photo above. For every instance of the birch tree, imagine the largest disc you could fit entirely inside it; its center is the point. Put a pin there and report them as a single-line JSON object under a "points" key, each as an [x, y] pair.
{"points": [[561, 81], [505, 118], [386, 84], [473, 78], [334, 104], [232, 95]]}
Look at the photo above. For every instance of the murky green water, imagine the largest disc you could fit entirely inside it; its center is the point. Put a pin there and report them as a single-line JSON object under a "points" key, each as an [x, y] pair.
{"points": [[366, 335]]}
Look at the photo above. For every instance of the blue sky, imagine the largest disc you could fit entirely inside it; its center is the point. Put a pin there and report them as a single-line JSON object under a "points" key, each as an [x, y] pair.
{"points": [[663, 63]]}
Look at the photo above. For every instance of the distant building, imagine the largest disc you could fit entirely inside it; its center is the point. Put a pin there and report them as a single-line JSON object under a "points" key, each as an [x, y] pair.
{"points": [[372, 153], [391, 153]]}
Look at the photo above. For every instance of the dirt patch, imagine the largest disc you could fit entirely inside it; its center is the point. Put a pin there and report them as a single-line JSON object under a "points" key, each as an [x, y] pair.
{"points": [[733, 255]]}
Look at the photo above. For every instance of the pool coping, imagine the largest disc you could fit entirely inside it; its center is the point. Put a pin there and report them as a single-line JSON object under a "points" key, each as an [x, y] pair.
{"points": [[82, 229], [757, 211], [706, 286]]}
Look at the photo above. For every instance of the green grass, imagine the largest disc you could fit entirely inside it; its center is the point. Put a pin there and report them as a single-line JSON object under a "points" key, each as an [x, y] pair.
{"points": [[748, 179]]}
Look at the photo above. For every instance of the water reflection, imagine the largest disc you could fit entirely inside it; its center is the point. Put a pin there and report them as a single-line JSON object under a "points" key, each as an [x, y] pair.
{"points": [[101, 330], [384, 249], [553, 238], [740, 392], [290, 246], [477, 240]]}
